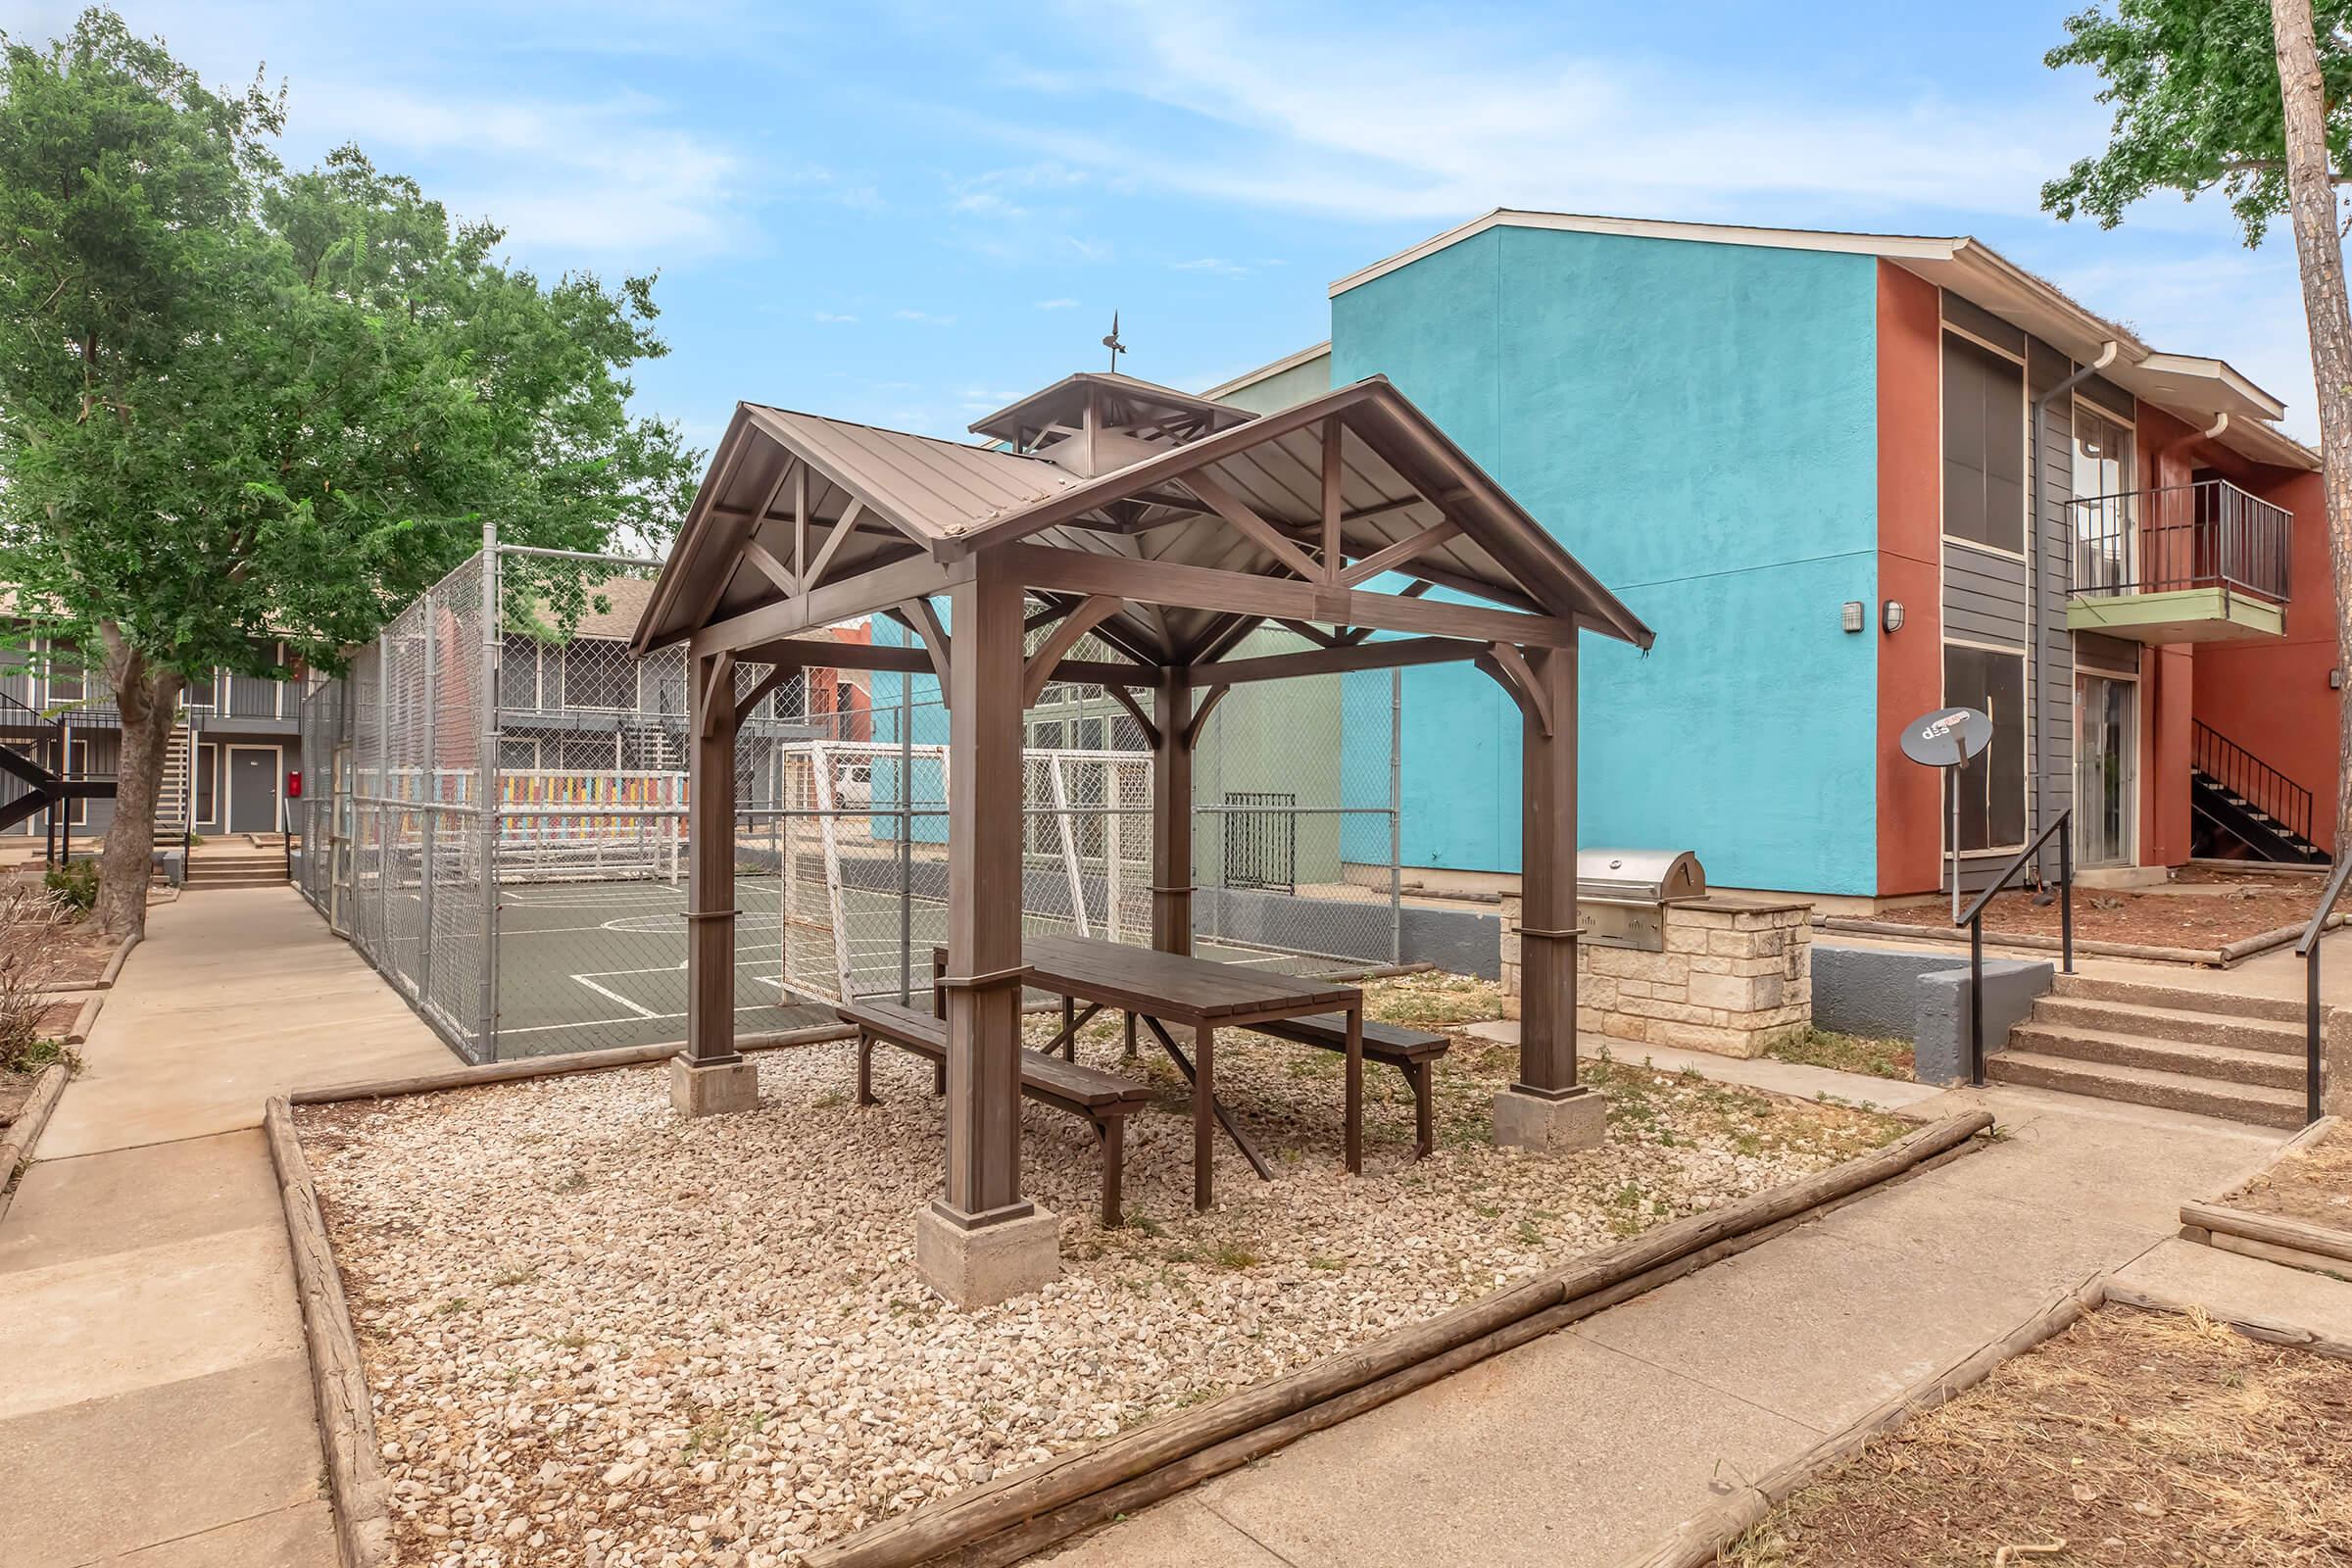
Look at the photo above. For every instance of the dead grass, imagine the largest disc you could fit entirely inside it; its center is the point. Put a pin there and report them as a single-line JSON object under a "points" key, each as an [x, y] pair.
{"points": [[2220, 911], [1826, 1048], [2133, 1438], [1432, 1000], [2313, 1184]]}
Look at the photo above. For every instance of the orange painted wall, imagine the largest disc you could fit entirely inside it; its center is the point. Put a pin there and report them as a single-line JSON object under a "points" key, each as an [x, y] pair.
{"points": [[2272, 697], [1910, 798]]}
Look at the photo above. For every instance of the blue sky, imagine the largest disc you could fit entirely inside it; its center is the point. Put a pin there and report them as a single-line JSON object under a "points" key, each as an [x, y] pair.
{"points": [[912, 214]]}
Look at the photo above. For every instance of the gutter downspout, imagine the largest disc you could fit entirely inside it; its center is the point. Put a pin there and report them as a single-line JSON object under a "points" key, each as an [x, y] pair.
{"points": [[2036, 699]]}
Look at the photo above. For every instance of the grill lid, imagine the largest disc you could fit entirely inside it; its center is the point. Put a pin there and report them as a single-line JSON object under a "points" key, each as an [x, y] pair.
{"points": [[1639, 877]]}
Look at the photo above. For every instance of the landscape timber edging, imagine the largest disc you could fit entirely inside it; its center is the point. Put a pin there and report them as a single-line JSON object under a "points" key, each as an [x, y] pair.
{"points": [[15, 1145], [355, 1461], [1699, 1540], [2221, 957], [1003, 1520], [87, 1019], [106, 974], [2216, 1223]]}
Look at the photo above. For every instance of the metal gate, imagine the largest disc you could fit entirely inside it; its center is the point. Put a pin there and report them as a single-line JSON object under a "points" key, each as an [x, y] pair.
{"points": [[1262, 839]]}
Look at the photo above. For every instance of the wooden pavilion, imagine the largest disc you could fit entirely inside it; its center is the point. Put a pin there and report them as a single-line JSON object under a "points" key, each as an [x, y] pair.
{"points": [[1169, 527]]}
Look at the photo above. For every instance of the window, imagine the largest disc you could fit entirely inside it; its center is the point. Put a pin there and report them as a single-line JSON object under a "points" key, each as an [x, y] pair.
{"points": [[519, 673], [1992, 784], [65, 677], [2104, 514], [208, 762], [598, 674], [1984, 446]]}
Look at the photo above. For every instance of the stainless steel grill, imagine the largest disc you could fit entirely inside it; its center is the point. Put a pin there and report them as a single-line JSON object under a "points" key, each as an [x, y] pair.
{"points": [[1622, 895]]}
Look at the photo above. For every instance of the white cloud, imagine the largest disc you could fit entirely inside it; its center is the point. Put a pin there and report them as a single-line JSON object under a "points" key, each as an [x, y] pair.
{"points": [[1211, 263], [926, 318], [1388, 122], [830, 317], [1057, 305]]}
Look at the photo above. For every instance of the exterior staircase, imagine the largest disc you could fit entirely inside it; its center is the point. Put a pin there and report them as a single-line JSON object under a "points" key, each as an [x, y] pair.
{"points": [[233, 866], [171, 802], [2237, 799], [2237, 1057]]}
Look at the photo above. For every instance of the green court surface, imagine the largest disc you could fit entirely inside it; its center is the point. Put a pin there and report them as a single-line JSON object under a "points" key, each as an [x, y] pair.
{"points": [[585, 965]]}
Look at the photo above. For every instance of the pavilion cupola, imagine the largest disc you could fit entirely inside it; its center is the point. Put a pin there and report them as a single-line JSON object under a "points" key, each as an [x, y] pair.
{"points": [[1091, 424]]}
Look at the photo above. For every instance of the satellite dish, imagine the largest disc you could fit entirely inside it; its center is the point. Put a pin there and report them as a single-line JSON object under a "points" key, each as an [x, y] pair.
{"points": [[1945, 737]]}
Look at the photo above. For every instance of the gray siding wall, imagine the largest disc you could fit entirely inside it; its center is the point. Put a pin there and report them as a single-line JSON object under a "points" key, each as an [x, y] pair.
{"points": [[1985, 592], [2046, 368]]}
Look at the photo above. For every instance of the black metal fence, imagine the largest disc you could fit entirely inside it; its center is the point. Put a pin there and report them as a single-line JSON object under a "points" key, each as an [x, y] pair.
{"points": [[2203, 535]]}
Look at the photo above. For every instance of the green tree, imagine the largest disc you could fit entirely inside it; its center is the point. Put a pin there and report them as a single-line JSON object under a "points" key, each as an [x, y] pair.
{"points": [[240, 405], [2252, 99]]}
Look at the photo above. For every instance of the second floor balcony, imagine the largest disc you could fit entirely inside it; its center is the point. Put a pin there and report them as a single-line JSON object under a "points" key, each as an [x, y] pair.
{"points": [[2193, 563]]}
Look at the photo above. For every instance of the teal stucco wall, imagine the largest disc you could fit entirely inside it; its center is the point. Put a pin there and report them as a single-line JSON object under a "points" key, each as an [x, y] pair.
{"points": [[1697, 423]]}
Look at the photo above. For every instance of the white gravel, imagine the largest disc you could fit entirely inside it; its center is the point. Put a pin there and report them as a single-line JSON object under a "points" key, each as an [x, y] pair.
{"points": [[600, 1334]]}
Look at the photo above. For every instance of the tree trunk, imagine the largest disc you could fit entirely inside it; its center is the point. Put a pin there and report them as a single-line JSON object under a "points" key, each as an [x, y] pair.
{"points": [[148, 698], [2319, 251]]}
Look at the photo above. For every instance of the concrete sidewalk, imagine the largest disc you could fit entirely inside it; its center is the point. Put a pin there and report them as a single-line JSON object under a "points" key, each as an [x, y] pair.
{"points": [[154, 1397], [1589, 1446]]}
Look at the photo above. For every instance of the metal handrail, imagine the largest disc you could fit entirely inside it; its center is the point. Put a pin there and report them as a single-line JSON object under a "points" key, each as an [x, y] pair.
{"points": [[2205, 533], [2254, 780], [2308, 949], [1972, 917]]}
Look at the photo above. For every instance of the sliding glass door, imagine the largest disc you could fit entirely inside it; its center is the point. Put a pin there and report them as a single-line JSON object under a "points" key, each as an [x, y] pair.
{"points": [[2106, 769]]}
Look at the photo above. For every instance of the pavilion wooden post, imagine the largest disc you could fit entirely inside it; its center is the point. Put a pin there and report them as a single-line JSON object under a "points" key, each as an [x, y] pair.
{"points": [[1172, 812], [1547, 1108], [983, 1243], [710, 1076]]}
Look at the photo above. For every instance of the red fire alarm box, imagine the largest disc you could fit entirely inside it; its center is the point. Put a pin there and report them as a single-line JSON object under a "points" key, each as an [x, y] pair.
{"points": [[294, 785]]}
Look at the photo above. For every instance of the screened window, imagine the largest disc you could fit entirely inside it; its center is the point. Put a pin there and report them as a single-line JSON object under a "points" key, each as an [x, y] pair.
{"points": [[1984, 446], [207, 766], [519, 673], [598, 674], [1992, 784]]}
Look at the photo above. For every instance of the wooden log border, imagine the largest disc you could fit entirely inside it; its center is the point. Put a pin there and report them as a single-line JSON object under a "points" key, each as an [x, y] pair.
{"points": [[87, 1019], [2221, 957], [355, 1464], [1007, 1519], [2298, 1243], [15, 1145], [1699, 1540]]}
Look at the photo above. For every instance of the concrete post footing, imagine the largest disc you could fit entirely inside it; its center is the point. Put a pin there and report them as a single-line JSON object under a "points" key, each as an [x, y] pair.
{"points": [[980, 1266], [1578, 1119], [713, 1090]]}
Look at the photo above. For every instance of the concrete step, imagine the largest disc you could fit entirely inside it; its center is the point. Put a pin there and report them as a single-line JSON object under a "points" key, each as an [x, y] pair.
{"points": [[202, 884], [2269, 1068], [2179, 999], [2171, 1023], [2141, 1085]]}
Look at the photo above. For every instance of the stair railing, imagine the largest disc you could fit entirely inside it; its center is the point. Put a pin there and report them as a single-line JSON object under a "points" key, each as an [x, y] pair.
{"points": [[2251, 779], [2308, 949], [1972, 917]]}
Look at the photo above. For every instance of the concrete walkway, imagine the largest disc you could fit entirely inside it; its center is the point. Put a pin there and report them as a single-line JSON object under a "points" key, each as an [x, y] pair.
{"points": [[155, 1397], [1589, 1446]]}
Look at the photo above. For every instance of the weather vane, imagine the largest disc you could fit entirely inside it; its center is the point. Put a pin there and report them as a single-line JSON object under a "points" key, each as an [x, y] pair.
{"points": [[1114, 344]]}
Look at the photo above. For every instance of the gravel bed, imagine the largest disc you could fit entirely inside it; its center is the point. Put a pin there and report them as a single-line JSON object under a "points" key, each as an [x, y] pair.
{"points": [[600, 1334]]}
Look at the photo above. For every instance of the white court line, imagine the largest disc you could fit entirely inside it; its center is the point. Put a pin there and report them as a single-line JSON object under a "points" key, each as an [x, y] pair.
{"points": [[609, 994]]}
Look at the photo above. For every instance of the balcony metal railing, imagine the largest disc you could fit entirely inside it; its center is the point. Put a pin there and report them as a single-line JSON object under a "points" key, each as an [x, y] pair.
{"points": [[2204, 535]]}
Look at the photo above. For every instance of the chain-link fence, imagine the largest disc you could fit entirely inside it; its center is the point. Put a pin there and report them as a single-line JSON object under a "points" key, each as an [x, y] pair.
{"points": [[497, 816]]}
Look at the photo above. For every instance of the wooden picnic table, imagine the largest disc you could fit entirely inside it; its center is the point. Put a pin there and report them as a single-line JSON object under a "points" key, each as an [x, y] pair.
{"points": [[1202, 995]]}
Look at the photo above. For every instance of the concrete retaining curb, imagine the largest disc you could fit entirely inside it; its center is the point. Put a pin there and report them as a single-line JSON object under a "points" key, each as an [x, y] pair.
{"points": [[15, 1145], [355, 1466], [1699, 1540], [1006, 1520]]}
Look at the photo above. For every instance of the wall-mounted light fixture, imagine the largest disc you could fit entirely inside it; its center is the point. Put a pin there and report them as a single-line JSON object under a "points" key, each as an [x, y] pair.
{"points": [[1892, 618], [2335, 679], [1852, 616]]}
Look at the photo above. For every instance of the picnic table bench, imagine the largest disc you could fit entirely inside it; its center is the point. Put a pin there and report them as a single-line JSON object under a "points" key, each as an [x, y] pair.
{"points": [[1411, 1052], [1103, 1099]]}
